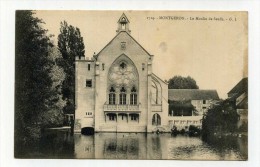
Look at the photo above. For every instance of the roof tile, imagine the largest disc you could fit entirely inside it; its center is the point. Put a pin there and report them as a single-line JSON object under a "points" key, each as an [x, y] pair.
{"points": [[192, 94]]}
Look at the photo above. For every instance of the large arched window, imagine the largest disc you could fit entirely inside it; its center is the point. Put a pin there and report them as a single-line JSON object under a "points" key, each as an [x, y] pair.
{"points": [[123, 75], [133, 96], [112, 96], [156, 119], [122, 96]]}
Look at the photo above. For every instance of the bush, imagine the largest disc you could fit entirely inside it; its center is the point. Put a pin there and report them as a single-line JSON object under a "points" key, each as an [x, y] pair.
{"points": [[221, 118], [52, 118], [194, 131], [243, 127]]}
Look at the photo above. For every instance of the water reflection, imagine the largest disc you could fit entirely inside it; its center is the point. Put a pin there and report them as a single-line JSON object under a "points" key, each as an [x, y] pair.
{"points": [[57, 145], [162, 146], [138, 146]]}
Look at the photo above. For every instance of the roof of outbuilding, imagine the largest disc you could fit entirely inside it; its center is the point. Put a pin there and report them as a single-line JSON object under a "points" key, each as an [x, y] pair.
{"points": [[240, 87], [192, 94], [243, 104]]}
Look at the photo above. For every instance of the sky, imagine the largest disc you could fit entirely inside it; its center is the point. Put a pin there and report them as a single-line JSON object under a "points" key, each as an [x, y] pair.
{"points": [[211, 47]]}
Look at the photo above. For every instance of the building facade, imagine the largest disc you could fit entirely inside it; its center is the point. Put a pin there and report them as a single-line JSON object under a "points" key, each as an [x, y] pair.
{"points": [[187, 106], [117, 91], [238, 96]]}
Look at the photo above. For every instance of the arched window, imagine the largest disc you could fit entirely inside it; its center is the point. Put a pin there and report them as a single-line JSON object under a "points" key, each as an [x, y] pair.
{"points": [[112, 96], [122, 96], [123, 75], [154, 93], [156, 119], [133, 96]]}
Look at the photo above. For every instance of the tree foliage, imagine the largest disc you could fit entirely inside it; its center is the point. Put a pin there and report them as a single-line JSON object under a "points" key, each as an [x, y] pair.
{"points": [[221, 118], [33, 93], [33, 83], [70, 45], [179, 82], [38, 102], [54, 116]]}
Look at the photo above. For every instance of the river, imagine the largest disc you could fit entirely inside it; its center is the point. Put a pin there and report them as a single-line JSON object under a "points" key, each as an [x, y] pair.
{"points": [[58, 144]]}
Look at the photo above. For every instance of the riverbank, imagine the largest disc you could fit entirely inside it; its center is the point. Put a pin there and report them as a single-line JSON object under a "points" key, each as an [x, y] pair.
{"points": [[63, 128], [236, 134]]}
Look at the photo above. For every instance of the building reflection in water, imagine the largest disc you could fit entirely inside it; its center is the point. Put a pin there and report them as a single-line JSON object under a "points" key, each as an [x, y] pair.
{"points": [[153, 146], [56, 144], [119, 146]]}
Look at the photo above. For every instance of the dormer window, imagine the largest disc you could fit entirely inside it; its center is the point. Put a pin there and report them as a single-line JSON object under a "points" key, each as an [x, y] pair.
{"points": [[123, 26]]}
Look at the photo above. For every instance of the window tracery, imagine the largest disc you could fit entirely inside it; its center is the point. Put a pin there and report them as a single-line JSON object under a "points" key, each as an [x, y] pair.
{"points": [[124, 77]]}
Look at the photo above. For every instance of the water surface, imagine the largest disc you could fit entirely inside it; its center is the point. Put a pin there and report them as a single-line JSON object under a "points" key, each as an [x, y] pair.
{"points": [[137, 146]]}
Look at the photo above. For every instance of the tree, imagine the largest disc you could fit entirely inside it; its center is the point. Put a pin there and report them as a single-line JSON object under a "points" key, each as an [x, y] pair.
{"points": [[54, 116], [220, 118], [33, 93], [70, 45], [179, 82]]}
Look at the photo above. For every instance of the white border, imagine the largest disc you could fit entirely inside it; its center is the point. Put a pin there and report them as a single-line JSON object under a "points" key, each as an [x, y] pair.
{"points": [[7, 9]]}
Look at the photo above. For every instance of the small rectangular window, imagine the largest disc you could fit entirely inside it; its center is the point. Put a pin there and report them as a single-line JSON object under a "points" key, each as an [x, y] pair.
{"points": [[89, 67], [204, 101], [143, 66], [103, 66], [111, 117], [89, 83], [133, 117]]}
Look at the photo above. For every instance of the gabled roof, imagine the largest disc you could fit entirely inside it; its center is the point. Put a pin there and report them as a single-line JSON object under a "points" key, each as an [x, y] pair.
{"points": [[123, 16], [192, 94], [240, 88], [115, 38]]}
